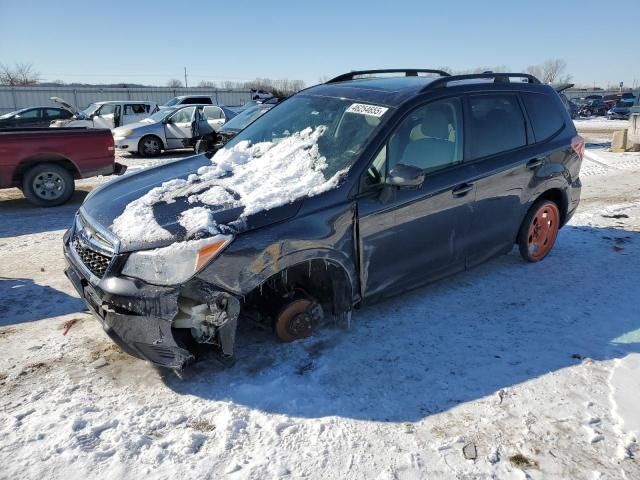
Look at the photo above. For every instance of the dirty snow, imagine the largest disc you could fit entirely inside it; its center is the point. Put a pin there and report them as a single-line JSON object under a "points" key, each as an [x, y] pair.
{"points": [[256, 177], [535, 365]]}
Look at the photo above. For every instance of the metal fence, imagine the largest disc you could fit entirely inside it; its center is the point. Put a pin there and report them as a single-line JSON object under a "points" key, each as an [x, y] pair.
{"points": [[13, 98], [575, 94]]}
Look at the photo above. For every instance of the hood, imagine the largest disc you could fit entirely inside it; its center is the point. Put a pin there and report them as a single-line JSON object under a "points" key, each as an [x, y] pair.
{"points": [[66, 105], [562, 87], [107, 202]]}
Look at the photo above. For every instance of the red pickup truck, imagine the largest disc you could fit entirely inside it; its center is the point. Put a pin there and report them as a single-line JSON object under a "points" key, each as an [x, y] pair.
{"points": [[43, 162]]}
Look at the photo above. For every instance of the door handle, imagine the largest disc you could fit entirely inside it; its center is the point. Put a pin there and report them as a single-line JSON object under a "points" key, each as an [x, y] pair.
{"points": [[535, 163], [462, 190]]}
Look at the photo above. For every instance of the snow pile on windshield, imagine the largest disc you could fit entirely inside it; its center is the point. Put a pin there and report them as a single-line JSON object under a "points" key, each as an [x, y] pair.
{"points": [[255, 177]]}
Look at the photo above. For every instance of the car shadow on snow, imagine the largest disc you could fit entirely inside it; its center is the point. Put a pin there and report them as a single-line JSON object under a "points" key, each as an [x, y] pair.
{"points": [[22, 300], [461, 339], [19, 217]]}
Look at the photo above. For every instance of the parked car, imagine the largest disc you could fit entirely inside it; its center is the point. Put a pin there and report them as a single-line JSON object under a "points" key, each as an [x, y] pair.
{"points": [[44, 162], [33, 117], [260, 94], [171, 128], [588, 107], [348, 192], [189, 100], [231, 128], [621, 110], [111, 114], [616, 97]]}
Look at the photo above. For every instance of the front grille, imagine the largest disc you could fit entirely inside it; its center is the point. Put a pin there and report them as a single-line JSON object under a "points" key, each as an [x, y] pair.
{"points": [[97, 263]]}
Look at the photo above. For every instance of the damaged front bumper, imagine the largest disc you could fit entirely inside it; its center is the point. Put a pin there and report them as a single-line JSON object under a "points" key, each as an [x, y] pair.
{"points": [[144, 319]]}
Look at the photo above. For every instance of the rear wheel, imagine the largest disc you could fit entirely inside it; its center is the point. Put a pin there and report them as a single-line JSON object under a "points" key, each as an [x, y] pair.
{"points": [[539, 231], [150, 146], [48, 185]]}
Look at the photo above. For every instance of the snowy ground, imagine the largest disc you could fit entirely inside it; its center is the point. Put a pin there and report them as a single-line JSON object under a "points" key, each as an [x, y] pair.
{"points": [[536, 366]]}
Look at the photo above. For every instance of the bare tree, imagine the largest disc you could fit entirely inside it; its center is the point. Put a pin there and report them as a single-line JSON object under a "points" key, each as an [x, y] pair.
{"points": [[22, 74], [207, 84], [174, 83], [551, 71]]}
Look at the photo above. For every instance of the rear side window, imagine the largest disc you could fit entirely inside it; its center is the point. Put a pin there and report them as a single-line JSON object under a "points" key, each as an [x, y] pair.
{"points": [[497, 124], [546, 117], [192, 100], [136, 109]]}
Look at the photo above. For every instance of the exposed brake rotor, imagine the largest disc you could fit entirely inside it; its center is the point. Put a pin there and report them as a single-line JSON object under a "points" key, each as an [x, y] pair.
{"points": [[296, 319]]}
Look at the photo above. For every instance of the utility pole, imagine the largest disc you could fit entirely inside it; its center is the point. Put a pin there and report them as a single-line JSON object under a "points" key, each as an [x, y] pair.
{"points": [[186, 85]]}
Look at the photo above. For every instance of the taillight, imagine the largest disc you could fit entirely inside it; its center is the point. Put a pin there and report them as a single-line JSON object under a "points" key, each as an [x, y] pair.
{"points": [[111, 146], [577, 143]]}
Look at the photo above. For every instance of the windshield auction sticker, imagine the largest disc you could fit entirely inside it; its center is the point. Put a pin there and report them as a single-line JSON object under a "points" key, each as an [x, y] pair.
{"points": [[364, 109]]}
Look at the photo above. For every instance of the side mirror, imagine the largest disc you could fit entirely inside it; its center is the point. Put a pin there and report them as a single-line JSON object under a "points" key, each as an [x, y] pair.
{"points": [[405, 176]]}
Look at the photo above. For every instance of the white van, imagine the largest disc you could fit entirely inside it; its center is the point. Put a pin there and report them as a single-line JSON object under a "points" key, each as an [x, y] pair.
{"points": [[105, 114]]}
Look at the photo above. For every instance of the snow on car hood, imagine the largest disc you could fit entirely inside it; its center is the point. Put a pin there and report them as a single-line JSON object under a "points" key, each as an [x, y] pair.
{"points": [[240, 181]]}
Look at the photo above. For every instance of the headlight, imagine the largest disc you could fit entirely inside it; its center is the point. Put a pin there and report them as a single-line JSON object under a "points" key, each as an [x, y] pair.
{"points": [[124, 133], [176, 263]]}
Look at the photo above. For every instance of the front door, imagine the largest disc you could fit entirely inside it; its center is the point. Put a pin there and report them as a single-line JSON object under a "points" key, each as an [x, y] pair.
{"points": [[408, 237], [215, 116], [179, 127], [106, 115]]}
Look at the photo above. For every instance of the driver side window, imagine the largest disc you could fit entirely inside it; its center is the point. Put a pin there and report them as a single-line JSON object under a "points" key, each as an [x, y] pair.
{"points": [[183, 116], [430, 137]]}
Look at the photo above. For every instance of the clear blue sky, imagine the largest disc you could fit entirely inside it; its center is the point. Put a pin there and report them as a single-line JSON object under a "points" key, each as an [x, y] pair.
{"points": [[150, 42]]}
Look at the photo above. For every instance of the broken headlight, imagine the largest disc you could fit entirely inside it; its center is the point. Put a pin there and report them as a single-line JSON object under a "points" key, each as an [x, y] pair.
{"points": [[176, 263]]}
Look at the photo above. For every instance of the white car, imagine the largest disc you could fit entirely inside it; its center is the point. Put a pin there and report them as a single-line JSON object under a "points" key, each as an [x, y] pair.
{"points": [[171, 128], [110, 115], [189, 100], [260, 94]]}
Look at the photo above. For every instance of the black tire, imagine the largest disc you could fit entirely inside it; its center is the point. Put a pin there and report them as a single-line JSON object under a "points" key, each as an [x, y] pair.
{"points": [[525, 241], [150, 146], [48, 185]]}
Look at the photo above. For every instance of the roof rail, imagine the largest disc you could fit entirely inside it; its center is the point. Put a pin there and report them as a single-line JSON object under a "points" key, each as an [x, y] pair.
{"points": [[498, 78], [409, 72]]}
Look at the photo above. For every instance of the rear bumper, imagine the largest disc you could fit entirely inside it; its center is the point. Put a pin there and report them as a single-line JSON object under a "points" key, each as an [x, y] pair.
{"points": [[573, 200]]}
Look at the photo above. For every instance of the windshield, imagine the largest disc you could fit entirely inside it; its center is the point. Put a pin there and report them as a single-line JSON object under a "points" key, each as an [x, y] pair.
{"points": [[344, 127], [172, 101], [243, 119], [91, 109], [159, 116]]}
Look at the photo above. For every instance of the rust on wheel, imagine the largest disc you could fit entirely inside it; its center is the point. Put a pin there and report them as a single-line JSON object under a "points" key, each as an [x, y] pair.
{"points": [[295, 321], [543, 230]]}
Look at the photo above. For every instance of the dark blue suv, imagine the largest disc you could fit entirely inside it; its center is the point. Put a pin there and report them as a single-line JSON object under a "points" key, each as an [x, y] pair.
{"points": [[342, 194]]}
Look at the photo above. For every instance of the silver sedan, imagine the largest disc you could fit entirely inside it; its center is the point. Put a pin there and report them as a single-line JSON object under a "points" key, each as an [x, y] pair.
{"points": [[170, 129]]}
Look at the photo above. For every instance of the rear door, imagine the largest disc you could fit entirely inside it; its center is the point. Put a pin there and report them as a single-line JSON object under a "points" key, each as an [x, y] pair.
{"points": [[498, 135], [134, 112], [179, 127], [412, 236]]}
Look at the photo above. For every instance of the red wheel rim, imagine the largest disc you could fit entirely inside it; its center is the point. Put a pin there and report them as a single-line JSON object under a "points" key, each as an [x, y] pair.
{"points": [[543, 231]]}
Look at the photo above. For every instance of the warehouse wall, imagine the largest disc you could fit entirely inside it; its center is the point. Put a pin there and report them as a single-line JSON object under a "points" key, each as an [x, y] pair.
{"points": [[13, 98]]}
